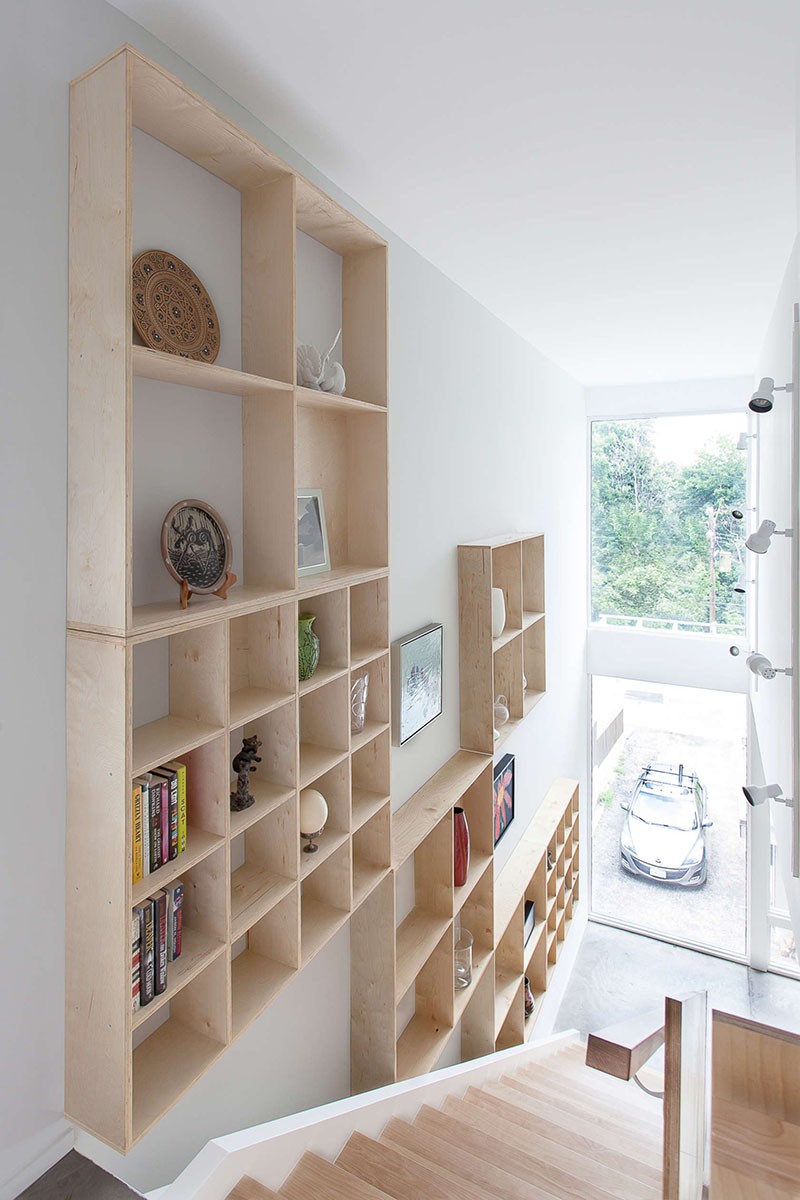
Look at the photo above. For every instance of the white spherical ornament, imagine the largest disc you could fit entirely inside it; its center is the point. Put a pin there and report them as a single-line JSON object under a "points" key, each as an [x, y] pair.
{"points": [[313, 811]]}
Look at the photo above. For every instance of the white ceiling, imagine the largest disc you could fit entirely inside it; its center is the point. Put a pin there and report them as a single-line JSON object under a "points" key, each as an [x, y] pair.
{"points": [[615, 179]]}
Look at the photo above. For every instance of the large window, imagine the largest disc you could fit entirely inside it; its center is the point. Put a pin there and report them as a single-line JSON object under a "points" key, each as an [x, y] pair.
{"points": [[667, 553]]}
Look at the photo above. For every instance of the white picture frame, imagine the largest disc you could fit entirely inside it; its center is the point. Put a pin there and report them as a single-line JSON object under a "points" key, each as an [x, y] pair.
{"points": [[416, 682], [313, 554]]}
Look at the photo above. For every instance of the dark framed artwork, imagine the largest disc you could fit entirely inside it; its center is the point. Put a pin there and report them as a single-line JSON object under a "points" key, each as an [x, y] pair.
{"points": [[416, 682], [503, 803], [313, 554]]}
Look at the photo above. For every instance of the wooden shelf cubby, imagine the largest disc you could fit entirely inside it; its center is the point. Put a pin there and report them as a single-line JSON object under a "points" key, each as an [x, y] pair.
{"points": [[149, 682], [512, 665]]}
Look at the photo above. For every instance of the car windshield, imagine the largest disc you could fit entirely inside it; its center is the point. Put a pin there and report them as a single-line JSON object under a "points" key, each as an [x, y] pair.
{"points": [[674, 812]]}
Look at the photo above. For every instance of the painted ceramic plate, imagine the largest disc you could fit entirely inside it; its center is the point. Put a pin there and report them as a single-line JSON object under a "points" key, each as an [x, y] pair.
{"points": [[196, 545], [172, 311]]}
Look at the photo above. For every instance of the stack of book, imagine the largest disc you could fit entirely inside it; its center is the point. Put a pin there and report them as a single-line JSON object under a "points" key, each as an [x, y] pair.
{"points": [[159, 818], [156, 935]]}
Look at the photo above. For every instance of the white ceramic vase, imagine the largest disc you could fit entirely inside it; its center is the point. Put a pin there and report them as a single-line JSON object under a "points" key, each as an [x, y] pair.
{"points": [[498, 612]]}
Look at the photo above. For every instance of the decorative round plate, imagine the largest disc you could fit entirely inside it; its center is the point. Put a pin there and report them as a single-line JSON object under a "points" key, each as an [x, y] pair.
{"points": [[172, 311], [196, 545]]}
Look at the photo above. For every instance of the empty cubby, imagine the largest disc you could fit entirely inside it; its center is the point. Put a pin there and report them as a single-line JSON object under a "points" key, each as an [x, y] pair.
{"points": [[370, 779], [372, 853], [266, 959], [533, 654], [423, 927], [369, 621], [264, 866], [326, 899], [324, 729], [426, 1034], [477, 1021], [532, 576], [263, 662]]}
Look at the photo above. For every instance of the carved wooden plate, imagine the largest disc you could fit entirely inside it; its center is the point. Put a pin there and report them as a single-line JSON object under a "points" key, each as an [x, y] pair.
{"points": [[172, 311], [196, 546]]}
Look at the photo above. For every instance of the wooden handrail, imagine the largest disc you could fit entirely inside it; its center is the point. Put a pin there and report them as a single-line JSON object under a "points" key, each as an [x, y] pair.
{"points": [[623, 1049]]}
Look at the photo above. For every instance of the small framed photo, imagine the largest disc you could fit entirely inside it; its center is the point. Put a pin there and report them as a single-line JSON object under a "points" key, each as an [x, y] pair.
{"points": [[416, 682], [503, 806], [312, 533]]}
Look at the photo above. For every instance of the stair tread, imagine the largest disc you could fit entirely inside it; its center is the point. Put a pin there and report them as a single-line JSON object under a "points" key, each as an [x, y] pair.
{"points": [[400, 1174], [458, 1162], [546, 1141], [250, 1189], [532, 1114], [585, 1078], [536, 1160], [585, 1106], [615, 1094], [315, 1178]]}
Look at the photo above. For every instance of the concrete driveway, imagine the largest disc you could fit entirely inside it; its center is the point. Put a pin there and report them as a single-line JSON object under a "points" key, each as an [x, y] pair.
{"points": [[714, 914]]}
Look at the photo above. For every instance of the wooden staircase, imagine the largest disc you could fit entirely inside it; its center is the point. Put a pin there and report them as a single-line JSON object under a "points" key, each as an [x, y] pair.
{"points": [[549, 1130]]}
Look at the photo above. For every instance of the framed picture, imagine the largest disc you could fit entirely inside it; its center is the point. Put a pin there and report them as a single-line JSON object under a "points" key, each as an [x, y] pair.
{"points": [[416, 682], [503, 805], [312, 533]]}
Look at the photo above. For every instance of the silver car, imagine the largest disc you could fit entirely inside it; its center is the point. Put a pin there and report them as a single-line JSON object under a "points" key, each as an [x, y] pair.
{"points": [[663, 837]]}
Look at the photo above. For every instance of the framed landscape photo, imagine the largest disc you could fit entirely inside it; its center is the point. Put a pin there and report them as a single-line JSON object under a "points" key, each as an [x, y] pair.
{"points": [[312, 533], [416, 682], [503, 804]]}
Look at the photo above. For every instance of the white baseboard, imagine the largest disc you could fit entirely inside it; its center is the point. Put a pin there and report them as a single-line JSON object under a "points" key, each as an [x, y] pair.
{"points": [[43, 1159]]}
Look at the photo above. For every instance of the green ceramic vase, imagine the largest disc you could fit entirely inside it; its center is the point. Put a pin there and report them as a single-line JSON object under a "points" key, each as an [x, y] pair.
{"points": [[307, 646]]}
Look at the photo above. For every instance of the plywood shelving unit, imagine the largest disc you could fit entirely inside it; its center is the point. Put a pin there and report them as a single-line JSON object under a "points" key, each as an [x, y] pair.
{"points": [[257, 910], [513, 664], [416, 956]]}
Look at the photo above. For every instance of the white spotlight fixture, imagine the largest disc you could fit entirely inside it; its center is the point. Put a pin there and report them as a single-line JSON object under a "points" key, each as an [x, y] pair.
{"points": [[738, 513], [762, 398], [759, 541], [744, 438], [742, 584], [758, 795], [760, 665]]}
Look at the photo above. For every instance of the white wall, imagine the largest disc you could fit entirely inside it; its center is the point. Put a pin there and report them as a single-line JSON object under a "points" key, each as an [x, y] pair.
{"points": [[486, 436]]}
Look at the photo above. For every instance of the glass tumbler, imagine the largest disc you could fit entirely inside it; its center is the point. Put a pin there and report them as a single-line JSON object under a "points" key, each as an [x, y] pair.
{"points": [[358, 702], [463, 959]]}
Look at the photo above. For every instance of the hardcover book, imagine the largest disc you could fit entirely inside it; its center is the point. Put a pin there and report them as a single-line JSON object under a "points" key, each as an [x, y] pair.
{"points": [[156, 790], [145, 785], [136, 941], [147, 960], [174, 919], [180, 770], [169, 827], [137, 868], [160, 941]]}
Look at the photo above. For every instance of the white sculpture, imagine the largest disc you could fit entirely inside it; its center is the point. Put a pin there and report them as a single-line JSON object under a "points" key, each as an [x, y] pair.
{"points": [[320, 373]]}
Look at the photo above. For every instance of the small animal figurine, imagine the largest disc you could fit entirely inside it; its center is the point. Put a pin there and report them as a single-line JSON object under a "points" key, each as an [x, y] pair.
{"points": [[245, 762]]}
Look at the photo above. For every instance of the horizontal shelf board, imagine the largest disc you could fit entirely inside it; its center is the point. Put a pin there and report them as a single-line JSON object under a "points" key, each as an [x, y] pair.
{"points": [[371, 730], [167, 616], [255, 982], [482, 958], [420, 1046], [251, 702], [506, 989], [508, 635], [478, 865], [329, 840], [316, 760], [321, 676], [365, 805], [361, 656], [318, 923], [506, 539], [188, 372], [533, 942], [346, 575], [268, 797], [418, 816], [530, 618], [327, 401], [169, 738], [417, 938], [166, 1065], [326, 221], [366, 877], [254, 891], [197, 951], [199, 845]]}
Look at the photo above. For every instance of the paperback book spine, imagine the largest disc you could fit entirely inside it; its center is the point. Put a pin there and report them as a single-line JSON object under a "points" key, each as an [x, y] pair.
{"points": [[136, 942], [160, 941], [174, 919], [137, 865], [180, 770], [147, 961], [155, 822], [164, 822], [146, 850]]}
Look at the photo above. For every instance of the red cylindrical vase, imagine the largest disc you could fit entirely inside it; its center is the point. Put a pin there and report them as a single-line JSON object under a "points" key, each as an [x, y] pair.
{"points": [[460, 847]]}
